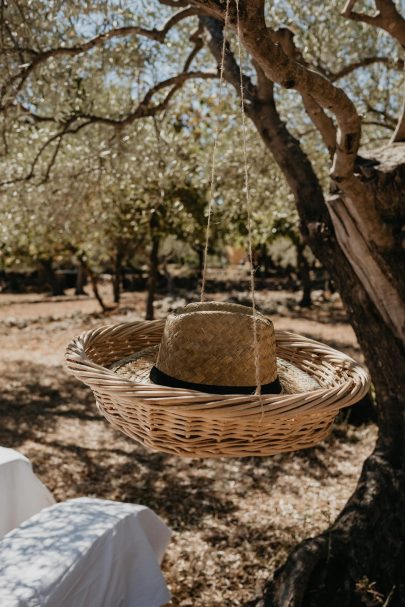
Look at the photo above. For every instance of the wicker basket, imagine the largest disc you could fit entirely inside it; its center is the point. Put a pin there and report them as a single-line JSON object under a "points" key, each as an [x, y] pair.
{"points": [[193, 424]]}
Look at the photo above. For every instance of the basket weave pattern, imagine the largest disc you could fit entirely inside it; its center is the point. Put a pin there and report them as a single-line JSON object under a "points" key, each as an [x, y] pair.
{"points": [[194, 424]]}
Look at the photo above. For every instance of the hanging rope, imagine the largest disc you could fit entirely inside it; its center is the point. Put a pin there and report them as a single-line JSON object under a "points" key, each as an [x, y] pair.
{"points": [[247, 192], [249, 209], [214, 155]]}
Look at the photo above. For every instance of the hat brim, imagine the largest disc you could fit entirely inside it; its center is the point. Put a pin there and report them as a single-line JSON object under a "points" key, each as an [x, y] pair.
{"points": [[137, 368]]}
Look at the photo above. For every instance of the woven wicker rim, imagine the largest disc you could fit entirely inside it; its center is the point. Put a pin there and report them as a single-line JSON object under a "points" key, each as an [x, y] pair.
{"points": [[343, 380]]}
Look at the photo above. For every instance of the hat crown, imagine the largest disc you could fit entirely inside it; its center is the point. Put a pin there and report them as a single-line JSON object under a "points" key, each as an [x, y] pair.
{"points": [[213, 343]]}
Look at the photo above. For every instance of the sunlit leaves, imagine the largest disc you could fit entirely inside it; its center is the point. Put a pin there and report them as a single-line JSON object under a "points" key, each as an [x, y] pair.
{"points": [[95, 189]]}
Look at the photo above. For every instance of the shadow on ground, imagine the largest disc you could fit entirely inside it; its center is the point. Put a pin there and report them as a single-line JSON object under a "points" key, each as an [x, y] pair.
{"points": [[233, 519], [54, 420]]}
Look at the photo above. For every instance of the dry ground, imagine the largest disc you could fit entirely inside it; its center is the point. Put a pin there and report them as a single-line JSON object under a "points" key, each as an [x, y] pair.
{"points": [[234, 520]]}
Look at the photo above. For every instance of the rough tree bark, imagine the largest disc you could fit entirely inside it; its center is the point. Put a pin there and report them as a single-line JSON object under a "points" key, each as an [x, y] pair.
{"points": [[357, 234], [363, 551]]}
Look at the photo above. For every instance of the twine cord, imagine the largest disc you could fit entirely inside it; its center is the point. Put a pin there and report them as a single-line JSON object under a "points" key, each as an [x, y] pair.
{"points": [[214, 155], [249, 213], [247, 194]]}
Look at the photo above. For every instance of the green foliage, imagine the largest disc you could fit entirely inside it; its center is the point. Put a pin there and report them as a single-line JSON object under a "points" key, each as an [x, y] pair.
{"points": [[102, 189]]}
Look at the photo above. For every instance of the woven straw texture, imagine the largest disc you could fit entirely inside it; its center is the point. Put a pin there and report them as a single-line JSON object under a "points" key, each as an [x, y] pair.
{"points": [[216, 361], [137, 367], [194, 424]]}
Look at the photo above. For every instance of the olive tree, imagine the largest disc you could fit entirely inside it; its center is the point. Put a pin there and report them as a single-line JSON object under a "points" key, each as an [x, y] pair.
{"points": [[296, 55]]}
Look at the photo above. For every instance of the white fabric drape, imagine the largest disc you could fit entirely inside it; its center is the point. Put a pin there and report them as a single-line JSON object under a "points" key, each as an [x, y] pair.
{"points": [[85, 553], [21, 492]]}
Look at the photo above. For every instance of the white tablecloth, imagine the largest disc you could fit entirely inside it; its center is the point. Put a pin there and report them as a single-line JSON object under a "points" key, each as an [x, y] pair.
{"points": [[21, 492], [85, 553]]}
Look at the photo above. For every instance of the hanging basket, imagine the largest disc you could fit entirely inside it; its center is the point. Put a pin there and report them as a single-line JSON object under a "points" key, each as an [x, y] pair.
{"points": [[195, 424]]}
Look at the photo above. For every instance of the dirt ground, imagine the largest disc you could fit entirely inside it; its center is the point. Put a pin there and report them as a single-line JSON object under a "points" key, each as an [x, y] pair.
{"points": [[233, 520]]}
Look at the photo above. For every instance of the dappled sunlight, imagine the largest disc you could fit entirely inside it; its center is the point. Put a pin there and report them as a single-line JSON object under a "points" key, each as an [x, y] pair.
{"points": [[232, 519], [221, 511], [84, 550]]}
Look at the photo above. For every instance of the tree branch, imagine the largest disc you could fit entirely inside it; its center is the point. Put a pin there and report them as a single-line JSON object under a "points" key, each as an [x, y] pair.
{"points": [[143, 110], [174, 3], [376, 123], [231, 67], [196, 38], [399, 134], [351, 67], [285, 38], [390, 20], [33, 115], [290, 73], [40, 57], [53, 158], [66, 129], [321, 120], [387, 117], [262, 110], [387, 18]]}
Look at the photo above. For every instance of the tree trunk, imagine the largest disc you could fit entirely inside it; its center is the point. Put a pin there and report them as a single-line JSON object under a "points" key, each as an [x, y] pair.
{"points": [[81, 257], [361, 551], [200, 262], [363, 412], [267, 260], [94, 283], [80, 280], [169, 280], [304, 275], [360, 560], [362, 556], [50, 277], [153, 276], [96, 292], [200, 256], [117, 276]]}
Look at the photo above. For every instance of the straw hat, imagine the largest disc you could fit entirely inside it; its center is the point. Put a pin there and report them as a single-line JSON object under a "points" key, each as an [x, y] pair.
{"points": [[209, 347]]}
